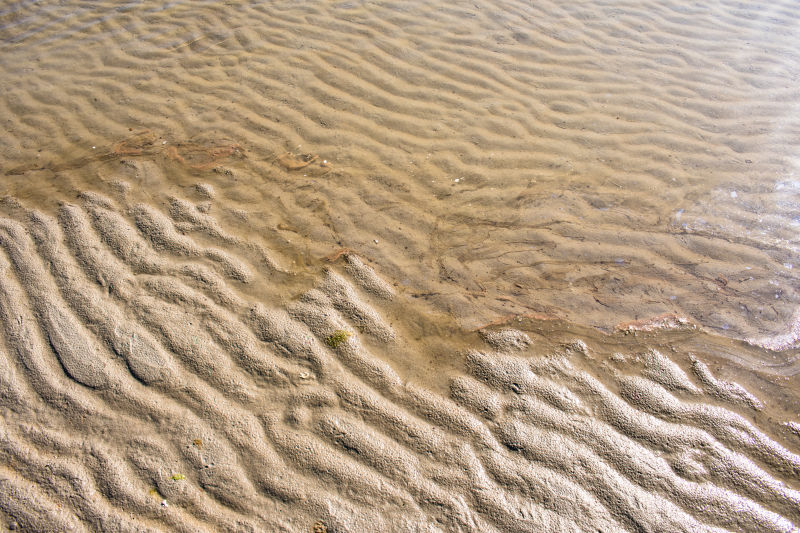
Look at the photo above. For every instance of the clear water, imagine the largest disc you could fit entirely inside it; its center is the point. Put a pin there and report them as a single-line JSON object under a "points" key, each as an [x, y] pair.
{"points": [[601, 163]]}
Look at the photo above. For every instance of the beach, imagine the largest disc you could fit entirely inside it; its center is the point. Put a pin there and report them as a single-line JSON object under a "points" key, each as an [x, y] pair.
{"points": [[345, 266]]}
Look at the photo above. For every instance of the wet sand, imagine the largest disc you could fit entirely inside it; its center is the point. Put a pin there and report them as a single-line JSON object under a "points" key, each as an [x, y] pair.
{"points": [[399, 267]]}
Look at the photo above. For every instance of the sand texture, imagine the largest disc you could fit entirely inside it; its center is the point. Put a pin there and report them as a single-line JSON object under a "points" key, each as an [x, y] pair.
{"points": [[399, 266], [599, 161], [144, 389]]}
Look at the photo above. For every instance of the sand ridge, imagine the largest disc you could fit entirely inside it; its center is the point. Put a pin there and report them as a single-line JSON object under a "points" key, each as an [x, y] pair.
{"points": [[199, 332], [604, 162], [142, 396]]}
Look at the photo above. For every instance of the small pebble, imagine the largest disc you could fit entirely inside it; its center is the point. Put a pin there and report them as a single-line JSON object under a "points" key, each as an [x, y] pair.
{"points": [[164, 503]]}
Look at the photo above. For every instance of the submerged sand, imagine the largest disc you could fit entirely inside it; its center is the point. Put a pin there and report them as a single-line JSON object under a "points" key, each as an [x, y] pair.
{"points": [[602, 161], [154, 377], [399, 267]]}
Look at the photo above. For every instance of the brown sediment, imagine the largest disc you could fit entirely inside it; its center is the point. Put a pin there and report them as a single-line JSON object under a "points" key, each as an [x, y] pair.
{"points": [[290, 161], [201, 156], [335, 256], [165, 361], [22, 169], [604, 208], [194, 155], [204, 393], [139, 143], [509, 319]]}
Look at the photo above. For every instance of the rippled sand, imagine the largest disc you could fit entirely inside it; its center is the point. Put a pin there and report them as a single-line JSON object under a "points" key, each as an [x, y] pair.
{"points": [[399, 267]]}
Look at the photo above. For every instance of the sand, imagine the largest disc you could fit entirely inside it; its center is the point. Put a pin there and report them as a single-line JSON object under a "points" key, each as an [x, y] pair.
{"points": [[399, 267]]}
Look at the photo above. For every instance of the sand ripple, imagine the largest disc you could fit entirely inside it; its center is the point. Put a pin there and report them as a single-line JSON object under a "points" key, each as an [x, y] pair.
{"points": [[271, 265], [602, 161], [144, 388]]}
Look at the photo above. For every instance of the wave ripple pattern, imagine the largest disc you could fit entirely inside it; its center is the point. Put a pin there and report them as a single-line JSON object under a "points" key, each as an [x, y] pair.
{"points": [[600, 161], [142, 390]]}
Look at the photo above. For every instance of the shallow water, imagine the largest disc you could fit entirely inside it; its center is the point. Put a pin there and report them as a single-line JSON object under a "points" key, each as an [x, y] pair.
{"points": [[602, 162], [618, 172]]}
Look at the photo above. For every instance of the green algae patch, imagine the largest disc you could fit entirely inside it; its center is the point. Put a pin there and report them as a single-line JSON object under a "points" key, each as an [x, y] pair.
{"points": [[177, 477], [337, 338]]}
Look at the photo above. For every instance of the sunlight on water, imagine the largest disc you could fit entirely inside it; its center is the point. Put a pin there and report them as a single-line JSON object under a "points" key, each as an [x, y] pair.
{"points": [[623, 173]]}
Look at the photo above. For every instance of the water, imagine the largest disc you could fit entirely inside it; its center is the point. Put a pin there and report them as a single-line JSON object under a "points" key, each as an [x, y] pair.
{"points": [[575, 171], [519, 159], [599, 163]]}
